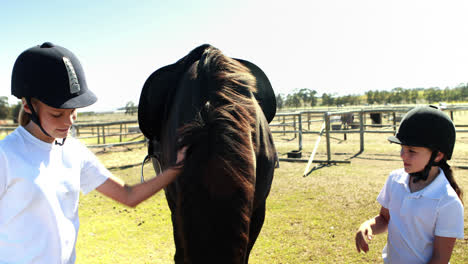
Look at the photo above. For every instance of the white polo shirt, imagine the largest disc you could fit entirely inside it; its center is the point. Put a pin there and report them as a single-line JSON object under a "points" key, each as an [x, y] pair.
{"points": [[39, 193], [416, 218]]}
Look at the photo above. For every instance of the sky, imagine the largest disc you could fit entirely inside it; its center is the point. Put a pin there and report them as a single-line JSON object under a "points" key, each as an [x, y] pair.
{"points": [[331, 46]]}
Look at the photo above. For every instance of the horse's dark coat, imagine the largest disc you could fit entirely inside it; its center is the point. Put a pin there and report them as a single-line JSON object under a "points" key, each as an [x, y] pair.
{"points": [[209, 102]]}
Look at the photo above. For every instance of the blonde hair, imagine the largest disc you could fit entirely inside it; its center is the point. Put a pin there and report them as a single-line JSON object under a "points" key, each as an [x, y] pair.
{"points": [[23, 117]]}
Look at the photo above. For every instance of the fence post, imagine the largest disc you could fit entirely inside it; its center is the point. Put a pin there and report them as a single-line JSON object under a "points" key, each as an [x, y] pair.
{"points": [[327, 133], [98, 135], [120, 133], [299, 119], [103, 134], [394, 121], [284, 125], [294, 124], [361, 129]]}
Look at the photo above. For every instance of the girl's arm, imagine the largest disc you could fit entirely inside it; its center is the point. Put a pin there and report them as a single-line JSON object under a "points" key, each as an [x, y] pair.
{"points": [[370, 228], [117, 190], [442, 249]]}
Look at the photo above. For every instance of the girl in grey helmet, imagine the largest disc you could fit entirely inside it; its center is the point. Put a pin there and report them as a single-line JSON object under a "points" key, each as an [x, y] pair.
{"points": [[40, 180], [421, 204]]}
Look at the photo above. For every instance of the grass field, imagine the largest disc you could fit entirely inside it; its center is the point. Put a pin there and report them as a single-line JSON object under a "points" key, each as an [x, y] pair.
{"points": [[309, 219]]}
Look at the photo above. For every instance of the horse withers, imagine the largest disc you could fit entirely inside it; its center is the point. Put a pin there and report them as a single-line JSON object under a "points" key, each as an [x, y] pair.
{"points": [[220, 108]]}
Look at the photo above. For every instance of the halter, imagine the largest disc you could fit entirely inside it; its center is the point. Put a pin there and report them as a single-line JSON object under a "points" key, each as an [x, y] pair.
{"points": [[151, 155]]}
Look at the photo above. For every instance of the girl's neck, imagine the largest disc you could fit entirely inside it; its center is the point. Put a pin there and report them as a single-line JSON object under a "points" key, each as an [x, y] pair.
{"points": [[34, 130], [433, 173]]}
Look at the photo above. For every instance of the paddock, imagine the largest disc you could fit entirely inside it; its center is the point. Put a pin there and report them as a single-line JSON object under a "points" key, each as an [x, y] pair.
{"points": [[309, 219]]}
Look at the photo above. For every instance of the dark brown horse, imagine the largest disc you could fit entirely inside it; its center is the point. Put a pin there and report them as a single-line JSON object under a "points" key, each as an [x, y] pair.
{"points": [[220, 108]]}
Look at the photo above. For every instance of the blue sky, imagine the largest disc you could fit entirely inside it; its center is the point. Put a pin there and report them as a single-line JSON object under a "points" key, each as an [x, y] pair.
{"points": [[331, 46]]}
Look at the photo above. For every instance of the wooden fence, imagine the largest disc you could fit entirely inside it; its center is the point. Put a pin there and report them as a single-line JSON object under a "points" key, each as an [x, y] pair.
{"points": [[109, 134], [102, 134], [344, 122], [349, 121]]}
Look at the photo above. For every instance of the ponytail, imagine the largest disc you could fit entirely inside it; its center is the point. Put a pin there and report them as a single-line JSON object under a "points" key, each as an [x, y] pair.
{"points": [[449, 175]]}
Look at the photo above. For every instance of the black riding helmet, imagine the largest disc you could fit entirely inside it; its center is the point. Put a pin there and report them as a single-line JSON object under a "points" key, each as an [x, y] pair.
{"points": [[54, 76], [427, 127]]}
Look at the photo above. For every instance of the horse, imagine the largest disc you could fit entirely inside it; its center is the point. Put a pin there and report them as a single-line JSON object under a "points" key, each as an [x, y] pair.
{"points": [[219, 107]]}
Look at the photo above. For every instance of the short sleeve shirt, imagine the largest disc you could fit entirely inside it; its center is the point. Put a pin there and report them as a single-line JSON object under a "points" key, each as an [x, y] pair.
{"points": [[416, 218], [39, 193]]}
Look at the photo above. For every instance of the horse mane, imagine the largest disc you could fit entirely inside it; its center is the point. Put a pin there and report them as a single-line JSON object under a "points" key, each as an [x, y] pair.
{"points": [[220, 159], [226, 122]]}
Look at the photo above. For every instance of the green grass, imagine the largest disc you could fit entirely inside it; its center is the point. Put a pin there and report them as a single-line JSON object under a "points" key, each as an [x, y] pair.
{"points": [[309, 219]]}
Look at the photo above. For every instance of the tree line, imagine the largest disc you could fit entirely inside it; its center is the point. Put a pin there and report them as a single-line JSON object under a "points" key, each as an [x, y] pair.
{"points": [[8, 111], [306, 97]]}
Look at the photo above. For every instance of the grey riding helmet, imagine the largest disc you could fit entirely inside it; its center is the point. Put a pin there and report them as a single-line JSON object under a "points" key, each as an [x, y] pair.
{"points": [[54, 76], [429, 127]]}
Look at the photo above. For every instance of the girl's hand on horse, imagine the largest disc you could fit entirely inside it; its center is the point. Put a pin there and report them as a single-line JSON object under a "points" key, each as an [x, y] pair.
{"points": [[181, 156]]}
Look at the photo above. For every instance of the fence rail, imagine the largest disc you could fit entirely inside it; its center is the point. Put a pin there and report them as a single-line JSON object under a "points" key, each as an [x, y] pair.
{"points": [[106, 134]]}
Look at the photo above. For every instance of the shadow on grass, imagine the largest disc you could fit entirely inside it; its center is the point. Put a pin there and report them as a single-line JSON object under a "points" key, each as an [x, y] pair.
{"points": [[318, 167], [374, 157]]}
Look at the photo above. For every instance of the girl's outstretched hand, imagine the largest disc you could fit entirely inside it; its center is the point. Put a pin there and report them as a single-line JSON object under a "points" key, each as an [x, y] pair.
{"points": [[181, 155], [363, 234]]}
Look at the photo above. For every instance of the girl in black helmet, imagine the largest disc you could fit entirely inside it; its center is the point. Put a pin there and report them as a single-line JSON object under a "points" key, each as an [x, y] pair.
{"points": [[422, 207], [40, 180]]}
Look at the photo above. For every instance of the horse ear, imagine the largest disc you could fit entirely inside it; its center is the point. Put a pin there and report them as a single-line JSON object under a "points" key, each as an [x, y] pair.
{"points": [[158, 90], [265, 95], [153, 100]]}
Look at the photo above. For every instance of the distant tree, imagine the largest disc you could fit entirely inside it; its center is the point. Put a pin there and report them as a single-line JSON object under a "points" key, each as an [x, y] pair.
{"points": [[396, 95], [382, 97], [376, 97], [14, 112], [312, 98], [450, 95], [433, 95], [405, 94], [413, 96], [464, 92], [293, 100], [370, 97], [279, 101], [304, 95], [130, 108], [327, 99], [4, 108]]}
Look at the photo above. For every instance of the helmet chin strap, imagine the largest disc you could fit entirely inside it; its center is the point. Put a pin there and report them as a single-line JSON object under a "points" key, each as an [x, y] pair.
{"points": [[422, 175], [35, 119]]}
